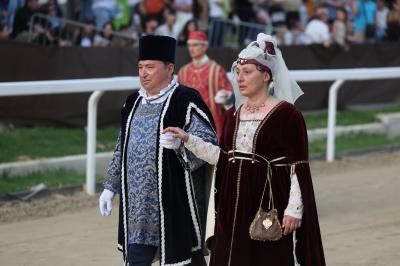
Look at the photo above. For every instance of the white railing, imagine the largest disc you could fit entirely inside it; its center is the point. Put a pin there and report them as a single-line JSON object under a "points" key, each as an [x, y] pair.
{"points": [[96, 86], [100, 85], [339, 76]]}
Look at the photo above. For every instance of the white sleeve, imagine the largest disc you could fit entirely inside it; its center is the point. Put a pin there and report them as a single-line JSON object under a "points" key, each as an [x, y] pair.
{"points": [[206, 151], [295, 205]]}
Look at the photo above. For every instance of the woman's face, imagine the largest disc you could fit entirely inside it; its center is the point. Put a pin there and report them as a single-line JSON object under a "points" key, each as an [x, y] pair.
{"points": [[107, 30], [191, 27], [251, 81], [340, 15]]}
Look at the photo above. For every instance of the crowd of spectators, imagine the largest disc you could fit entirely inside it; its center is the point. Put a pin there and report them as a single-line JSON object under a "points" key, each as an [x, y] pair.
{"points": [[294, 22]]}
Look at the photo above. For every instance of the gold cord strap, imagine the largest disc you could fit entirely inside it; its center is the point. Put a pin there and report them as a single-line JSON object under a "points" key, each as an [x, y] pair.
{"points": [[268, 180]]}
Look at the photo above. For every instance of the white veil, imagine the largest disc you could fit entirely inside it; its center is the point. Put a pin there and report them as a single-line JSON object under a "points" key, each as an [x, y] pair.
{"points": [[283, 87]]}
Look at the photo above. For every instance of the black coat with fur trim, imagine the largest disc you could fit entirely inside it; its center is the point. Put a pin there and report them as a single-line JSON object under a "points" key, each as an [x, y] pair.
{"points": [[180, 230]]}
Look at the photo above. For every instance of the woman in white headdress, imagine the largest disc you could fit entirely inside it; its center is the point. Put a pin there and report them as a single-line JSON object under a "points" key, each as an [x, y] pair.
{"points": [[263, 151]]}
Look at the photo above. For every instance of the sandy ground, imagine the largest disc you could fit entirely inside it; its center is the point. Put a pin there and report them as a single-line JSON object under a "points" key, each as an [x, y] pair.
{"points": [[357, 198]]}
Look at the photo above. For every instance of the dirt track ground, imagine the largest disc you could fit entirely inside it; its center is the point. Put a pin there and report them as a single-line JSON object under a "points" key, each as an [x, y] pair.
{"points": [[357, 198]]}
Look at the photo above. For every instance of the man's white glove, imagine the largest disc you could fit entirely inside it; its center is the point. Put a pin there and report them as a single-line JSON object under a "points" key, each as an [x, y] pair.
{"points": [[223, 97], [105, 202], [168, 141]]}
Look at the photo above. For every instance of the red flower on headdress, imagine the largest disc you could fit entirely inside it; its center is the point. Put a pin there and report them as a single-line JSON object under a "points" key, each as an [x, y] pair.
{"points": [[269, 48]]}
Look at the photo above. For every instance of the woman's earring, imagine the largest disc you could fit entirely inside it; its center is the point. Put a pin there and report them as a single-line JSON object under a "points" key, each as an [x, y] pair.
{"points": [[271, 88]]}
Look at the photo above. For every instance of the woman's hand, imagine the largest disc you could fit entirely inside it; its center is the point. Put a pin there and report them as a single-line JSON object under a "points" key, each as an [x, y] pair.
{"points": [[177, 133], [289, 224]]}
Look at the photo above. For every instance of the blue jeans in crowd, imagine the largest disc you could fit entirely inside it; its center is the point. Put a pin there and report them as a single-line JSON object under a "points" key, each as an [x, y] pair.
{"points": [[13, 5]]}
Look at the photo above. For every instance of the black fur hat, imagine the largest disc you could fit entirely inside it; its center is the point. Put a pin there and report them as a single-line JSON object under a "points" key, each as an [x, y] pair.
{"points": [[153, 47]]}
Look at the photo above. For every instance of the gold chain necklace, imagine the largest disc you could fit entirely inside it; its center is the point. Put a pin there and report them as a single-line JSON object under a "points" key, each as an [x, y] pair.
{"points": [[253, 108]]}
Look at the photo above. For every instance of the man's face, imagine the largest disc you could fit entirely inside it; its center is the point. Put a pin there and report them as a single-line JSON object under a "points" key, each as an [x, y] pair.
{"points": [[396, 5], [380, 4], [323, 14], [170, 19], [197, 50], [155, 75], [3, 32], [33, 4], [151, 26]]}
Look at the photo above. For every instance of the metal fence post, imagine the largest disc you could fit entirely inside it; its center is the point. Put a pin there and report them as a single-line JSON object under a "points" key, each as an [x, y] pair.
{"points": [[91, 142], [332, 107]]}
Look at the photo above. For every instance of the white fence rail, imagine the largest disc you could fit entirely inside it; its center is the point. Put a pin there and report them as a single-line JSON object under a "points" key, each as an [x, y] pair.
{"points": [[100, 85], [96, 86], [339, 76]]}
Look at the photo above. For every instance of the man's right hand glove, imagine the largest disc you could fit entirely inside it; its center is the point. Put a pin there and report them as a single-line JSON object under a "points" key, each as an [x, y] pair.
{"points": [[105, 202], [168, 141]]}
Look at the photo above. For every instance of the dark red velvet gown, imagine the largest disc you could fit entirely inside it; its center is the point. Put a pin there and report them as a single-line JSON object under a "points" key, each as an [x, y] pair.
{"points": [[239, 187]]}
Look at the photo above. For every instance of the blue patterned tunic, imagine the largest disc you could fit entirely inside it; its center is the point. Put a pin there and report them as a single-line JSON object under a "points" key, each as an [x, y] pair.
{"points": [[143, 207], [143, 218]]}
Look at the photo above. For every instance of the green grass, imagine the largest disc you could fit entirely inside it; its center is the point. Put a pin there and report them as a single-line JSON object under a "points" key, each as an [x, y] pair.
{"points": [[354, 142], [44, 142], [63, 178], [52, 179], [348, 117]]}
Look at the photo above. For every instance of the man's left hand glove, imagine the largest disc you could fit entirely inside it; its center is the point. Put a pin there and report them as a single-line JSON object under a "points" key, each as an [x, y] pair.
{"points": [[223, 97], [168, 141], [105, 202]]}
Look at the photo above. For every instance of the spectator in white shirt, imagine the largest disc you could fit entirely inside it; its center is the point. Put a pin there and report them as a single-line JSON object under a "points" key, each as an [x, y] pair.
{"points": [[317, 29], [381, 19], [169, 27], [184, 12]]}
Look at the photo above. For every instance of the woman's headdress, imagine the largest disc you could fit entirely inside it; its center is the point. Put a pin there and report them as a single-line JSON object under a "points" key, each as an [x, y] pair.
{"points": [[265, 54]]}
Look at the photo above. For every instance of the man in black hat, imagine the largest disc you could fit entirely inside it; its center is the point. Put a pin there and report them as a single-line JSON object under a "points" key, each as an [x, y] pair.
{"points": [[159, 208]]}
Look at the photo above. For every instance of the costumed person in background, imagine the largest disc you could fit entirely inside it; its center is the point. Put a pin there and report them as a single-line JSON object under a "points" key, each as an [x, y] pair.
{"points": [[208, 77], [158, 207], [262, 164]]}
